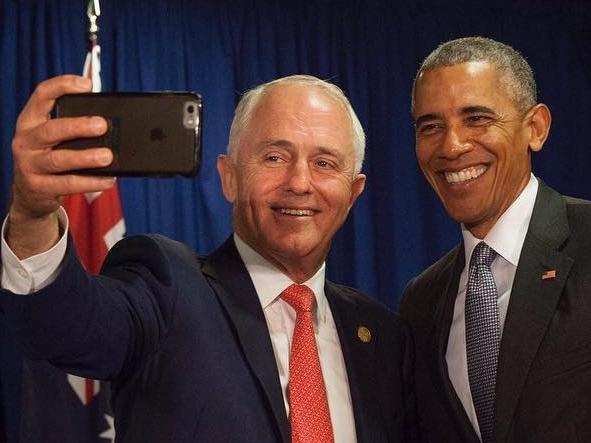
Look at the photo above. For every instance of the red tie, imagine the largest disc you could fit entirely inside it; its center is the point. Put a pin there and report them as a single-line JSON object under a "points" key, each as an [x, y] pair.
{"points": [[309, 414]]}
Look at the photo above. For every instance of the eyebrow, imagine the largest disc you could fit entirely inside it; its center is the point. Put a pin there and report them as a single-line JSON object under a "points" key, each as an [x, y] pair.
{"points": [[478, 110], [281, 143], [426, 117], [465, 111], [324, 150]]}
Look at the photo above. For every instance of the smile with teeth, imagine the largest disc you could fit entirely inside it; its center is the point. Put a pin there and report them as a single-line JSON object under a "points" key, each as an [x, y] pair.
{"points": [[465, 174], [297, 212]]}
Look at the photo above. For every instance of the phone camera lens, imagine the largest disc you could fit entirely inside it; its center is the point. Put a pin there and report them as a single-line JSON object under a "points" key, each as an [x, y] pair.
{"points": [[191, 109]]}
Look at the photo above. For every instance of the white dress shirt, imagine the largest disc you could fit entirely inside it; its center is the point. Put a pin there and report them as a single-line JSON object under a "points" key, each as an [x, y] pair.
{"points": [[506, 237], [34, 273], [269, 283]]}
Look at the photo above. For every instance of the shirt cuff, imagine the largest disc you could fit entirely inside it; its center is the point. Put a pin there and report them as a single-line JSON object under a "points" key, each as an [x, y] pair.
{"points": [[38, 271]]}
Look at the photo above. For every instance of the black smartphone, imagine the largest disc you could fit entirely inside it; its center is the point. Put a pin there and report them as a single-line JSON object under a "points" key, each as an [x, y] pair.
{"points": [[150, 133]]}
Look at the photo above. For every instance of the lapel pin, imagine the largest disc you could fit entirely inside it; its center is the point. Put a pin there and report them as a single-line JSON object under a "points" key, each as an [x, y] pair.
{"points": [[363, 334], [549, 274]]}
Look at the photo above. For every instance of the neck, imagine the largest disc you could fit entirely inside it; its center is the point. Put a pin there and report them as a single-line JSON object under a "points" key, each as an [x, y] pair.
{"points": [[481, 228], [299, 269]]}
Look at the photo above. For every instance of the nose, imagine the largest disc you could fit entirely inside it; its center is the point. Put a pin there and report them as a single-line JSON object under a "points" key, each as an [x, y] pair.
{"points": [[455, 143], [299, 177]]}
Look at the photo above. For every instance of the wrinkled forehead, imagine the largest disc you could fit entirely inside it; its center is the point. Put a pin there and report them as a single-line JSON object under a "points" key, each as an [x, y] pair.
{"points": [[302, 117], [474, 71], [299, 96], [464, 84], [294, 106]]}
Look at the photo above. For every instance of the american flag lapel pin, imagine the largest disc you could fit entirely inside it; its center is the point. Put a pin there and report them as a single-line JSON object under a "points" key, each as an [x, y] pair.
{"points": [[549, 274]]}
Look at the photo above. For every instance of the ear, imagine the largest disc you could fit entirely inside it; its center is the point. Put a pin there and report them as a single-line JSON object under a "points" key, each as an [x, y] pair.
{"points": [[227, 176], [538, 119], [357, 188]]}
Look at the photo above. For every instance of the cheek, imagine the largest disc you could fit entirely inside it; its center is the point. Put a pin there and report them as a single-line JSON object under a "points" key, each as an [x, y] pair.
{"points": [[425, 152], [504, 143], [424, 162], [337, 195], [511, 159], [250, 184], [420, 150]]}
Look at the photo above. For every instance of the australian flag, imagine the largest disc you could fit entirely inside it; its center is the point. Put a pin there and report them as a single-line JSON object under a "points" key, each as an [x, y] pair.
{"points": [[59, 407]]}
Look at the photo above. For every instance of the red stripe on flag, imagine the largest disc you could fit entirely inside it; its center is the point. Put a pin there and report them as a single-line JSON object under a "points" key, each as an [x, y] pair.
{"points": [[89, 389], [89, 222]]}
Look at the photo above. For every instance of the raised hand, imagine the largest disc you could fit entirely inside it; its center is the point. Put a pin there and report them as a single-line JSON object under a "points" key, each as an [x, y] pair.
{"points": [[40, 171]]}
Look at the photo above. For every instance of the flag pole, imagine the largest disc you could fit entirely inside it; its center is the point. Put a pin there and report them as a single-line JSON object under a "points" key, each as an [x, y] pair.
{"points": [[92, 65]]}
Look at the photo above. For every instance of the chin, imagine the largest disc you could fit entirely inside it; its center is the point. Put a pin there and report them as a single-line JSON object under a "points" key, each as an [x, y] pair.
{"points": [[291, 250], [463, 209], [294, 247], [462, 216]]}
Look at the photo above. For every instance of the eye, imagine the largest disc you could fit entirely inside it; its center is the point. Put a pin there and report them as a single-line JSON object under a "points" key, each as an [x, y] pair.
{"points": [[429, 128], [476, 120], [324, 164], [273, 158]]}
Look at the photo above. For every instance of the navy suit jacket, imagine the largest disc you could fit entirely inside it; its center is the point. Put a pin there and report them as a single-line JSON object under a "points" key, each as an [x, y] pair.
{"points": [[543, 389], [185, 342]]}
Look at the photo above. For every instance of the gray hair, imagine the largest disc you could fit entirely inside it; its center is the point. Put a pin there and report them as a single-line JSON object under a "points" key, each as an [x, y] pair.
{"points": [[249, 101], [516, 74]]}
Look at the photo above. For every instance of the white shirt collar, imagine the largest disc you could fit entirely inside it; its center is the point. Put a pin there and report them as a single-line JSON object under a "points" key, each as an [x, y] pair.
{"points": [[269, 282], [508, 234]]}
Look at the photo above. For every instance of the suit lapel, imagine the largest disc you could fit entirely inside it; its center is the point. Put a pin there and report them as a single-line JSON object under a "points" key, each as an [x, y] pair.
{"points": [[443, 316], [359, 359], [533, 301], [237, 294]]}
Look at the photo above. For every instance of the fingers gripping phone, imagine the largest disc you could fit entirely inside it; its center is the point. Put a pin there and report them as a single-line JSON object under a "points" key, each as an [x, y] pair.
{"points": [[150, 133]]}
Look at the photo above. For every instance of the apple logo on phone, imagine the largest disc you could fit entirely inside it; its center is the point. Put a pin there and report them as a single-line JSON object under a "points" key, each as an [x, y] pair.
{"points": [[157, 134]]}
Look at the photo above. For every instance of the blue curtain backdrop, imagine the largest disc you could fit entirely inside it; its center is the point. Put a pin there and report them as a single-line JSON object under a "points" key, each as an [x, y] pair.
{"points": [[369, 48]]}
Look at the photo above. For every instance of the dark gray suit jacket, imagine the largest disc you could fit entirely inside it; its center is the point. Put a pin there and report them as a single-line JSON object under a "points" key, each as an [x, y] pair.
{"points": [[185, 341], [543, 391]]}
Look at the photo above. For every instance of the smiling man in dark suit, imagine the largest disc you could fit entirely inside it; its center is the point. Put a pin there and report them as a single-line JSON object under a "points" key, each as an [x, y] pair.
{"points": [[203, 349], [502, 322]]}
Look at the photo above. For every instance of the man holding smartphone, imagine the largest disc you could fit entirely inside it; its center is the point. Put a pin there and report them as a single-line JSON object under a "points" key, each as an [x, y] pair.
{"points": [[250, 344]]}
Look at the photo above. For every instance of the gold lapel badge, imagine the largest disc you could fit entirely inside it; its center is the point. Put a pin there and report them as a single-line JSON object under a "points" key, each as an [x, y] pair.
{"points": [[549, 274], [363, 334]]}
